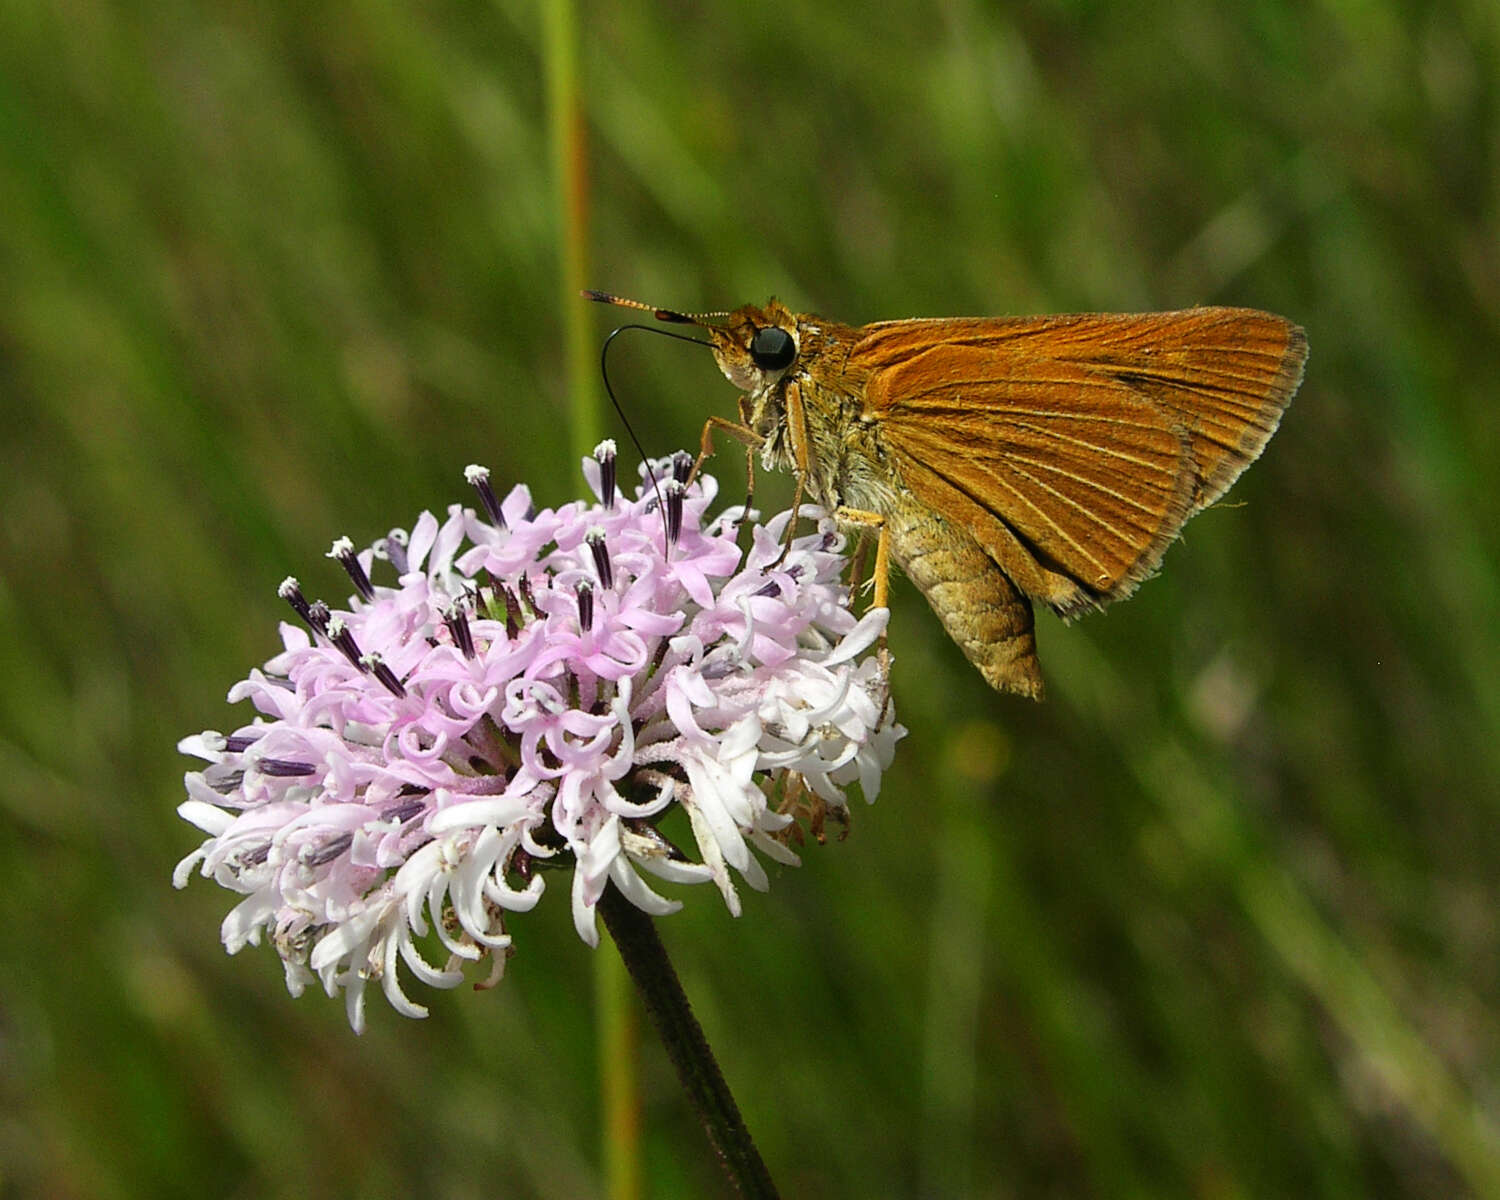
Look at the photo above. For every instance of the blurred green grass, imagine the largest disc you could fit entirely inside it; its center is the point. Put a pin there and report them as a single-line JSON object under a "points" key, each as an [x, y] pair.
{"points": [[1216, 920]]}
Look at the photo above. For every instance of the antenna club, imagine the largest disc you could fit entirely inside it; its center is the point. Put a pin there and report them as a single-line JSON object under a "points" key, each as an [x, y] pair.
{"points": [[662, 314], [670, 315]]}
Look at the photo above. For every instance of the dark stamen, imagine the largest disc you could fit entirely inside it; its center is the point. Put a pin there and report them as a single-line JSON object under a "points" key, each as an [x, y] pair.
{"points": [[291, 591], [585, 605], [285, 768], [402, 813], [457, 621], [330, 851], [718, 666], [479, 477], [602, 566], [771, 587], [343, 550], [339, 635], [378, 667], [318, 616], [673, 492], [604, 455], [526, 593], [237, 743], [394, 544], [224, 780], [682, 466]]}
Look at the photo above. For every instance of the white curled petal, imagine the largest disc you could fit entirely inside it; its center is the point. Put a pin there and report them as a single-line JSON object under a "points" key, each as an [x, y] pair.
{"points": [[634, 889]]}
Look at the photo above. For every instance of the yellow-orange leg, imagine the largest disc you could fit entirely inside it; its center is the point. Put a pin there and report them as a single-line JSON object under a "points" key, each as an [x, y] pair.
{"points": [[741, 433], [791, 526], [796, 435], [881, 578]]}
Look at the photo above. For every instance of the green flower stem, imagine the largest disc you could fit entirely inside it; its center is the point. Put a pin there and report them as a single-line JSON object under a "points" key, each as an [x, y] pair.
{"points": [[646, 960], [567, 136]]}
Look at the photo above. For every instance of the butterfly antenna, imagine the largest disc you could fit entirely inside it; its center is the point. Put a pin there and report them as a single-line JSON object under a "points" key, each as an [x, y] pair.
{"points": [[661, 506], [672, 316]]}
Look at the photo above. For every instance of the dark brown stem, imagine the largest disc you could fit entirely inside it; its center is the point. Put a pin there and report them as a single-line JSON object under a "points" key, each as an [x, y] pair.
{"points": [[667, 1005]]}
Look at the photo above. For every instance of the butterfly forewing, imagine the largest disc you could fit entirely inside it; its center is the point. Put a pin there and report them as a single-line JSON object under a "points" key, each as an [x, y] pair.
{"points": [[1074, 448], [1079, 492]]}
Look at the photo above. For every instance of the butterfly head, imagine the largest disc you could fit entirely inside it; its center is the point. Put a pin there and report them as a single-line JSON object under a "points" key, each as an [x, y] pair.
{"points": [[755, 345]]}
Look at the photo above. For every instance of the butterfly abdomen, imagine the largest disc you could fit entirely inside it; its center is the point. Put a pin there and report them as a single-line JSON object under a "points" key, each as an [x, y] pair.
{"points": [[981, 609]]}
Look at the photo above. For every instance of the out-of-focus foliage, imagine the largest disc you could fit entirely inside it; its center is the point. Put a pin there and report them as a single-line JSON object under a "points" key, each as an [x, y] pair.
{"points": [[1217, 919]]}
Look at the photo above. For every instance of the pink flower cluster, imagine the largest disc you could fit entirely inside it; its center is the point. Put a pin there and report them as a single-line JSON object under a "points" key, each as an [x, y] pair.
{"points": [[537, 691]]}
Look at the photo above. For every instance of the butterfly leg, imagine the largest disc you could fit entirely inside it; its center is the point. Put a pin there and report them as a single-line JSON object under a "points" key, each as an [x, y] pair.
{"points": [[882, 576], [796, 434], [741, 433], [872, 520]]}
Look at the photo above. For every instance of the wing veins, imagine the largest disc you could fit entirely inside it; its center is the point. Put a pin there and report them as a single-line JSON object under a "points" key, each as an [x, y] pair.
{"points": [[1011, 454], [1030, 546], [1045, 517], [1071, 503], [1092, 446], [1081, 479]]}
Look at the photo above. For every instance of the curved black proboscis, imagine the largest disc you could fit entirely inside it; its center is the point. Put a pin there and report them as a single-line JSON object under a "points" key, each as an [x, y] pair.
{"points": [[624, 420]]}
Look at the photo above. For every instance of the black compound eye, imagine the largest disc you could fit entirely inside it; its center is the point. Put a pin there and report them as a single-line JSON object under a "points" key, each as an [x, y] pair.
{"points": [[772, 349]]}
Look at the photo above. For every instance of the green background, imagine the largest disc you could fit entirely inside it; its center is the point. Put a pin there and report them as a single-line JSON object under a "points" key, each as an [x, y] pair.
{"points": [[1218, 919]]}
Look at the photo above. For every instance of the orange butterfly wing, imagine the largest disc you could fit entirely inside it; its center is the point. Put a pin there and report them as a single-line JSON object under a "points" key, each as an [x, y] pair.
{"points": [[1073, 448]]}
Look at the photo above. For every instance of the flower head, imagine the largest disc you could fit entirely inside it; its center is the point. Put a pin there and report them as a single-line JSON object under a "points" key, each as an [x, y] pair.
{"points": [[536, 690]]}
